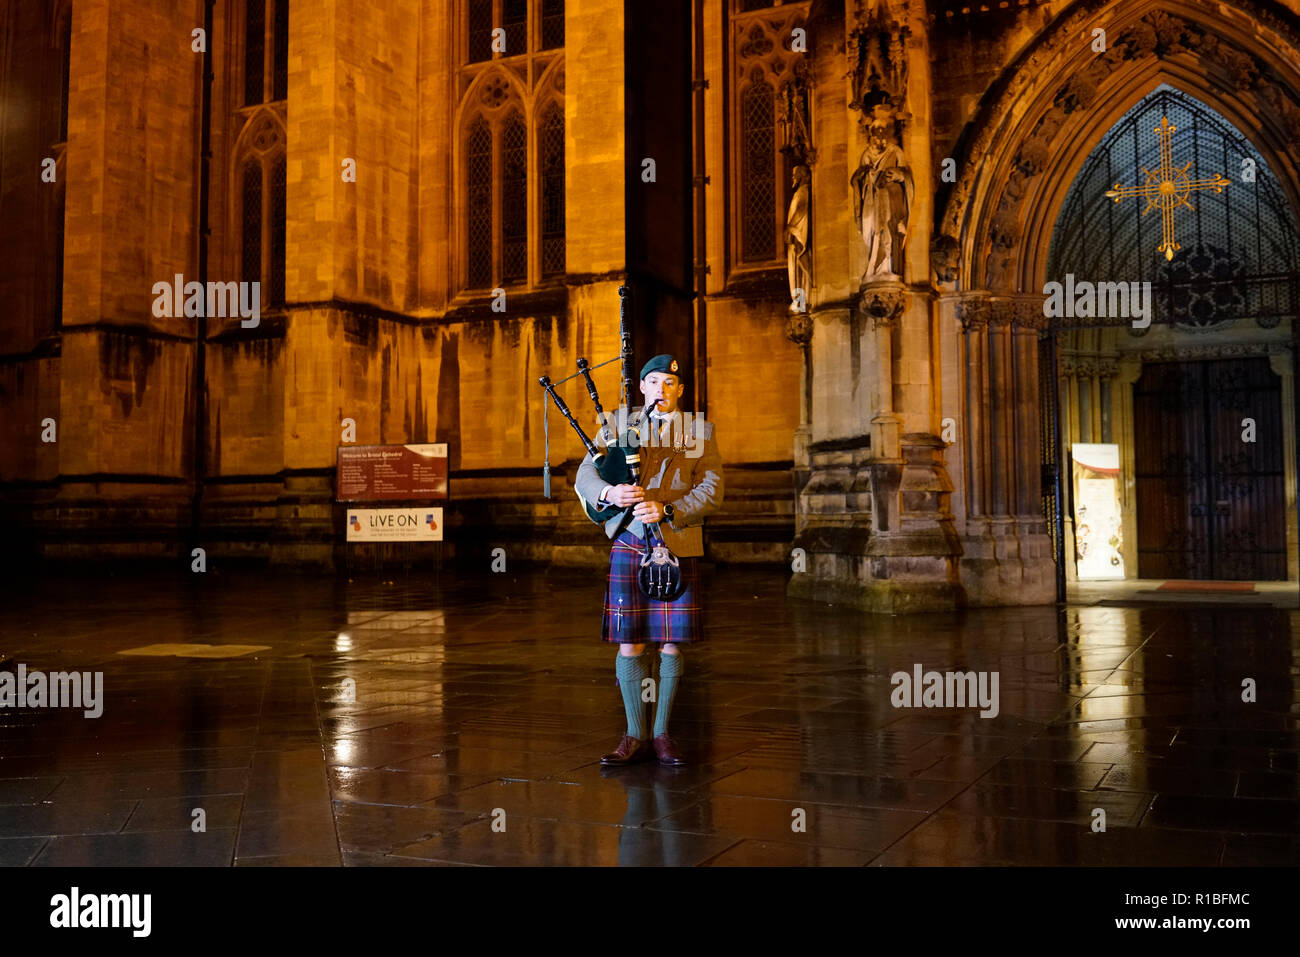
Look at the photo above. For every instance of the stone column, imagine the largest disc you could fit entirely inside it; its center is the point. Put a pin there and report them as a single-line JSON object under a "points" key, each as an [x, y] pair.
{"points": [[882, 304], [1027, 324], [912, 548], [1008, 555], [1001, 419], [1107, 369], [915, 548], [596, 167], [1128, 370], [973, 314], [352, 259], [1037, 562], [1283, 365], [126, 397], [1068, 385], [1096, 382], [876, 518], [1002, 451], [1069, 427], [799, 330]]}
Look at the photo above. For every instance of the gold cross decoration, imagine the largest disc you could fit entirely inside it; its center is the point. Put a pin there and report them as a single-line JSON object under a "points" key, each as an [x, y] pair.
{"points": [[1167, 186]]}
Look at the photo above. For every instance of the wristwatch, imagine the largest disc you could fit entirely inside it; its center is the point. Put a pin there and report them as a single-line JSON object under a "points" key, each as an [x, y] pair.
{"points": [[668, 513]]}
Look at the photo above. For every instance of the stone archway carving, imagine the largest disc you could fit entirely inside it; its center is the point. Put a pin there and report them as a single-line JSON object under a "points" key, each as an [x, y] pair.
{"points": [[1054, 104], [1015, 164]]}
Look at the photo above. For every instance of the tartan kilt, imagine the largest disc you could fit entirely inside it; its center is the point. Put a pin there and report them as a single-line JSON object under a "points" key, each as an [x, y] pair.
{"points": [[630, 617]]}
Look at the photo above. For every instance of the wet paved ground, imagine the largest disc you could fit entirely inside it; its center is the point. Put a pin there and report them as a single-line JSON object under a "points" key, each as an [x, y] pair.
{"points": [[406, 723]]}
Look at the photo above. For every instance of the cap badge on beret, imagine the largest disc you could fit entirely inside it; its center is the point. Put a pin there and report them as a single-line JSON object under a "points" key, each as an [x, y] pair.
{"points": [[661, 363]]}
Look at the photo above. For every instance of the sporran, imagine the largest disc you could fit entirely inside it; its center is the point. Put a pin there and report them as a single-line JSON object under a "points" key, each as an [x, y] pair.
{"points": [[660, 574]]}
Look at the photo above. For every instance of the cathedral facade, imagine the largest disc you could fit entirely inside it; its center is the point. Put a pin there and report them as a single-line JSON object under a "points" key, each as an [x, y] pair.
{"points": [[844, 218]]}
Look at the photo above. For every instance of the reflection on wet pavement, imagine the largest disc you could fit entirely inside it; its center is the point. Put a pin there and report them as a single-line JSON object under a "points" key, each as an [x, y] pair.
{"points": [[444, 720]]}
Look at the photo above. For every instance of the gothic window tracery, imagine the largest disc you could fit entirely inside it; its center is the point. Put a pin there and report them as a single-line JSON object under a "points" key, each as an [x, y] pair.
{"points": [[526, 27], [479, 203], [764, 67], [259, 177], [251, 265], [514, 200], [479, 24], [514, 20], [261, 184], [552, 24], [1239, 256], [758, 174], [510, 146], [552, 162], [266, 51]]}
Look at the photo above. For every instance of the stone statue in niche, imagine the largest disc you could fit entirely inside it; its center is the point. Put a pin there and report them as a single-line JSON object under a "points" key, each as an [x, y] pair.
{"points": [[883, 191], [880, 75], [796, 141], [797, 251]]}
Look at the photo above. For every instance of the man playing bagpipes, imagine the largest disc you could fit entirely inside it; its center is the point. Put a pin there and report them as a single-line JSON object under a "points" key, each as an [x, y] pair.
{"points": [[680, 484]]}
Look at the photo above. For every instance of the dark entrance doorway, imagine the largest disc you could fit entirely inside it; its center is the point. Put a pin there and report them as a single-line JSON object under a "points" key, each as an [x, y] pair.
{"points": [[1206, 504], [1210, 503]]}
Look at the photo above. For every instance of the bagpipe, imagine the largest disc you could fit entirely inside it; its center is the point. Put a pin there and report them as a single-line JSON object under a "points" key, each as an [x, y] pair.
{"points": [[619, 463]]}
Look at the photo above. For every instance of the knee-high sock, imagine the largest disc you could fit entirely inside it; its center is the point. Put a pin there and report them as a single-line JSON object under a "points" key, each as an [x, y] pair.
{"points": [[671, 668], [631, 671]]}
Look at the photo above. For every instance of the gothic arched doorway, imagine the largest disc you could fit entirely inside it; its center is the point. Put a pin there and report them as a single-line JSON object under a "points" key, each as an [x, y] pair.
{"points": [[1170, 342]]}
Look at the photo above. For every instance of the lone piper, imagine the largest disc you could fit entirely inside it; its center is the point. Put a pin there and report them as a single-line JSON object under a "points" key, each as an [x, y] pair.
{"points": [[681, 486]]}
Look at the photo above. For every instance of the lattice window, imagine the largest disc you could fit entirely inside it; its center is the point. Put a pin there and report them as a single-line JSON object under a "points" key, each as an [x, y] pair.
{"points": [[523, 35], [275, 292], [514, 18], [512, 118], [254, 50], [266, 50], [479, 204], [758, 176], [758, 171], [552, 161], [514, 200], [480, 30], [260, 205], [280, 64], [251, 234], [552, 24]]}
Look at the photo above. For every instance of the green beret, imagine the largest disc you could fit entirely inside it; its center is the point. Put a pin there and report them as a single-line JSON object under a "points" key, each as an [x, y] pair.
{"points": [[663, 363]]}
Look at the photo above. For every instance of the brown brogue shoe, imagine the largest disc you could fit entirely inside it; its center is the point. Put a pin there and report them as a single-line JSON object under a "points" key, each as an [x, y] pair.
{"points": [[667, 753], [629, 751]]}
